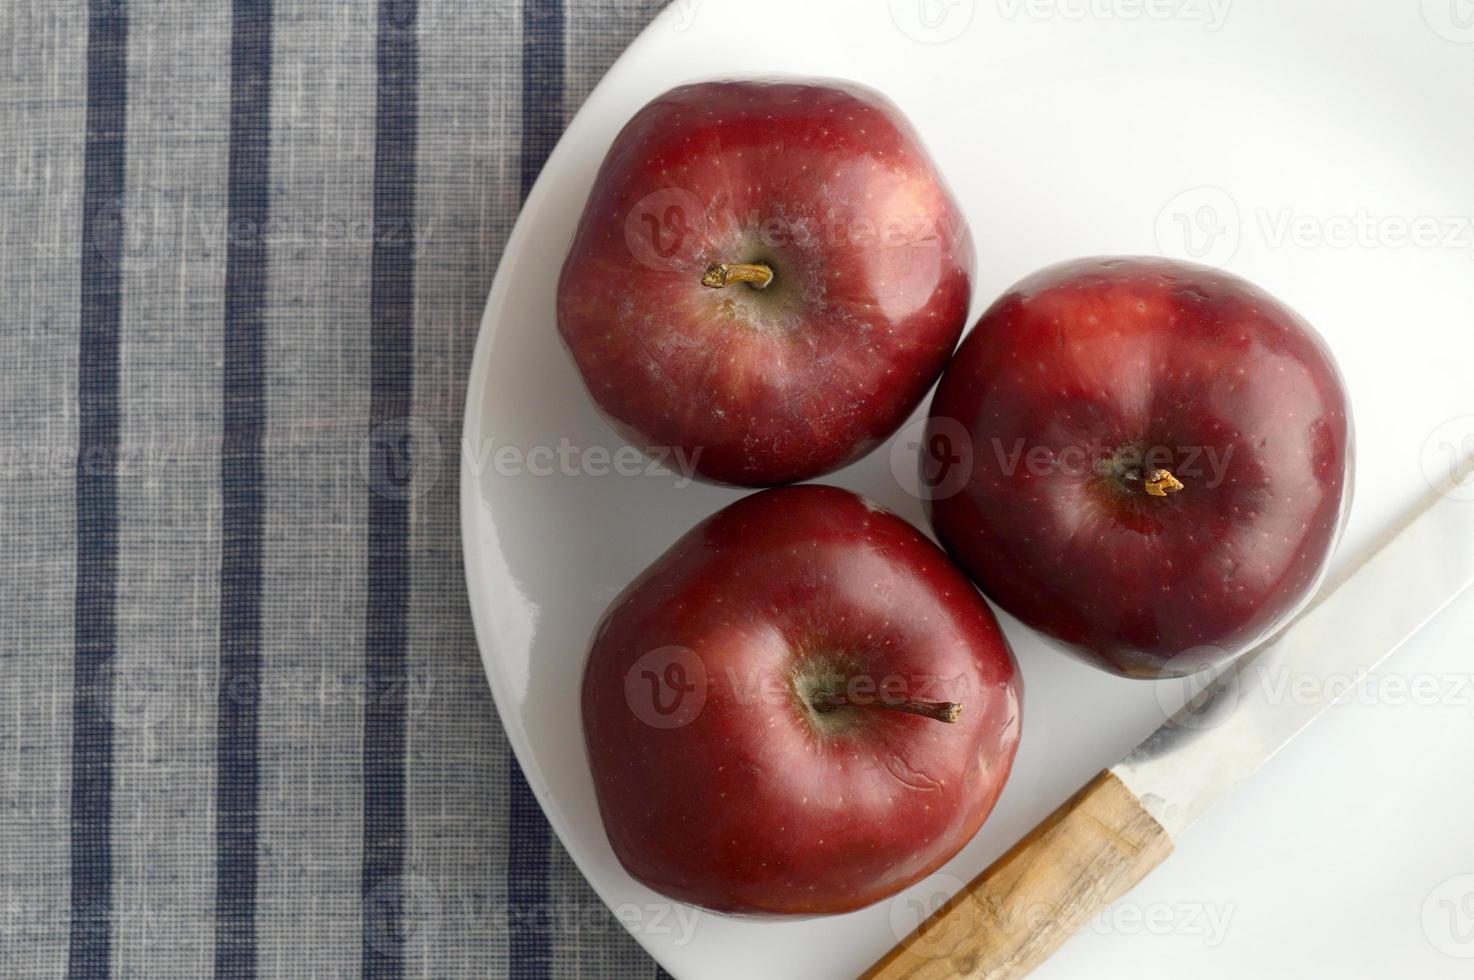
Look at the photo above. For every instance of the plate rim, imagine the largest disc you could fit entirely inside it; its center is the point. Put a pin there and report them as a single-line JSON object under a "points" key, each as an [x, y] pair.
{"points": [[476, 389]]}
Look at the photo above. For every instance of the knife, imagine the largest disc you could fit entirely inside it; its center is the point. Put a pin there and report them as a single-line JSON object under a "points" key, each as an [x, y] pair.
{"points": [[1106, 838]]}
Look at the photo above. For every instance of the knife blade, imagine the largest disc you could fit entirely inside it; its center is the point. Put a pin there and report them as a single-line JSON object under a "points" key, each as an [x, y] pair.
{"points": [[1107, 837], [1252, 709]]}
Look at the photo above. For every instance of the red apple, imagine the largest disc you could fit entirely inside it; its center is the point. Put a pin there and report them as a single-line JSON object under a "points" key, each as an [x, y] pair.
{"points": [[801, 708], [1147, 460], [767, 278]]}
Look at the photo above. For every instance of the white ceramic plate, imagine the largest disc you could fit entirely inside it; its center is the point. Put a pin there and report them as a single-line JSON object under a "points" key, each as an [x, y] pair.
{"points": [[1321, 148]]}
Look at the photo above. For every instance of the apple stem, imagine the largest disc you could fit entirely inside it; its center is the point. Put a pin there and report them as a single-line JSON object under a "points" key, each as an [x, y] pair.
{"points": [[721, 275], [947, 711], [1124, 472], [1161, 483]]}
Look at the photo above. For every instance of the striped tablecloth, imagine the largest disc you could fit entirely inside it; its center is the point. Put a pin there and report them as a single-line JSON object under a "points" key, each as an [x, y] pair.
{"points": [[243, 725]]}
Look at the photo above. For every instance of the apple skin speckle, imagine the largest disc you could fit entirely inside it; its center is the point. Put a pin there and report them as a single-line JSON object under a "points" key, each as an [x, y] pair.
{"points": [[1236, 393]]}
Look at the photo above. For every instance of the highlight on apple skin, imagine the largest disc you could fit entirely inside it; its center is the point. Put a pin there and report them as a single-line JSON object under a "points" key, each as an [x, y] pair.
{"points": [[768, 275], [801, 708], [1149, 461]]}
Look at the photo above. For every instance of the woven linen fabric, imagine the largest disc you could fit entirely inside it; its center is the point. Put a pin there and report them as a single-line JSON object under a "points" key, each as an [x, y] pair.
{"points": [[244, 248]]}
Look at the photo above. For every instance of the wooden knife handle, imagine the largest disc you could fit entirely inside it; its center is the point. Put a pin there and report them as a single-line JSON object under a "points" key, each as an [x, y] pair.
{"points": [[1087, 854]]}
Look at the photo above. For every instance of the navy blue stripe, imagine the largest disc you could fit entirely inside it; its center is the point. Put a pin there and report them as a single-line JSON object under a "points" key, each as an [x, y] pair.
{"points": [[530, 839], [243, 408], [391, 397], [542, 84], [97, 493], [529, 912]]}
